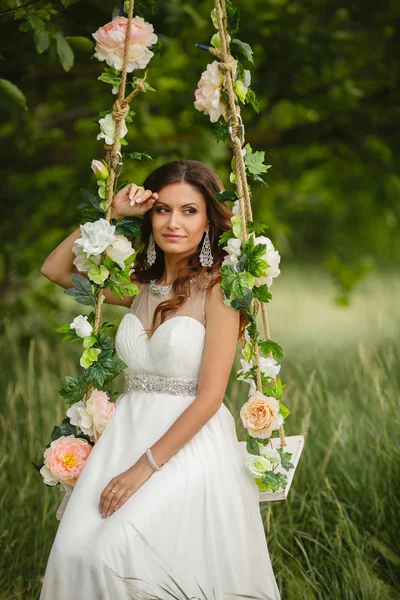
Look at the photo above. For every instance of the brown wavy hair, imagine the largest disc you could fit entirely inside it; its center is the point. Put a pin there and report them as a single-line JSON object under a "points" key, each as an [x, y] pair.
{"points": [[203, 179]]}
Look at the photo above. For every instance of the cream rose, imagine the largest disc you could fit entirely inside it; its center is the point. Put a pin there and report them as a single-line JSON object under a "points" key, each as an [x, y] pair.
{"points": [[260, 415], [110, 43], [208, 93], [257, 465], [95, 237], [82, 326], [120, 250], [233, 248], [107, 129]]}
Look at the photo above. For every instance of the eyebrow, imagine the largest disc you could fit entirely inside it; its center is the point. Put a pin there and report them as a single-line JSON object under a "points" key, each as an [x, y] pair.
{"points": [[183, 205]]}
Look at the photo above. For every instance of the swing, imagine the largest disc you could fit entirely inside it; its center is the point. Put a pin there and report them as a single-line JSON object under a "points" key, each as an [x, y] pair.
{"points": [[293, 445]]}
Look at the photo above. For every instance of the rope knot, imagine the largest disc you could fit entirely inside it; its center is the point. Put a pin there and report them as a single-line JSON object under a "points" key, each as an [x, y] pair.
{"points": [[120, 110], [227, 65]]}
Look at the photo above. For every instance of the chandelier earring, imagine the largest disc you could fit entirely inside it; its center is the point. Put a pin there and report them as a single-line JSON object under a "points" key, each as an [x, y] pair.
{"points": [[205, 256], [151, 250]]}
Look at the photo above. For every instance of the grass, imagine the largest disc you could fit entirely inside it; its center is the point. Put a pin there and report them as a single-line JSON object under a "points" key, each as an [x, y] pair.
{"points": [[335, 536]]}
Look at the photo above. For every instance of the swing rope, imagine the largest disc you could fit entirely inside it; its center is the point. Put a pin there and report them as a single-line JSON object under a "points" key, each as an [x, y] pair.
{"points": [[226, 65], [120, 111]]}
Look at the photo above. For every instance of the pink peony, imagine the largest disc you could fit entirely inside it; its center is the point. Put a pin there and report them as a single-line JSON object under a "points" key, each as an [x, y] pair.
{"points": [[111, 40], [208, 93], [64, 460]]}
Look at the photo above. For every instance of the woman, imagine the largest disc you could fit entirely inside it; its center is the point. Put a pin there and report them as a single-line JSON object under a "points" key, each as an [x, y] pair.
{"points": [[164, 507]]}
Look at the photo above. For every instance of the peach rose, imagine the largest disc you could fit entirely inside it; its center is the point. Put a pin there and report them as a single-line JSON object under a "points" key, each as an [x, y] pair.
{"points": [[64, 460], [260, 415], [110, 42]]}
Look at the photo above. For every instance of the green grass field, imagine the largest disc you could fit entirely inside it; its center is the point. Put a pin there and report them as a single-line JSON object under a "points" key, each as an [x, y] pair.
{"points": [[337, 535]]}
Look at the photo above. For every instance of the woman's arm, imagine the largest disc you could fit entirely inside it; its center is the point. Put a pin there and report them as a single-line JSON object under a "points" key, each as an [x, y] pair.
{"points": [[218, 356]]}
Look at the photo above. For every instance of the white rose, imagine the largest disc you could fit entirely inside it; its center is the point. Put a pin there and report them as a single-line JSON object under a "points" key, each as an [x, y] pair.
{"points": [[273, 259], [78, 415], [257, 465], [47, 476], [82, 326], [208, 93], [273, 455], [233, 248], [82, 262], [96, 237], [107, 127], [120, 250]]}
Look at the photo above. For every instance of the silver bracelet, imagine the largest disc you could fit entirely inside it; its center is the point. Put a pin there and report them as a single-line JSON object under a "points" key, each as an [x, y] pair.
{"points": [[152, 461]]}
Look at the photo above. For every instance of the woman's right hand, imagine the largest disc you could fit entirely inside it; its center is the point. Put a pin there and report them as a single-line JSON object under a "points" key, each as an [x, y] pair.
{"points": [[132, 200]]}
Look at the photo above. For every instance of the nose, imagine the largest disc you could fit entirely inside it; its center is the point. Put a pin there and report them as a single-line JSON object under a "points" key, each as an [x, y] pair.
{"points": [[173, 221]]}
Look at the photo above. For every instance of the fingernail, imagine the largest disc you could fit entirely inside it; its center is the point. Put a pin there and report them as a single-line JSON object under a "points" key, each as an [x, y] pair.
{"points": [[132, 202], [139, 199]]}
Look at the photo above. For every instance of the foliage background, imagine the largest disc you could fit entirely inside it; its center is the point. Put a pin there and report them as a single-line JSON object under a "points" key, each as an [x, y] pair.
{"points": [[327, 78]]}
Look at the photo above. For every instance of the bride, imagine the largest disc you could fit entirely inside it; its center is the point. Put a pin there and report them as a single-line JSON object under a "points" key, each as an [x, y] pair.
{"points": [[164, 507]]}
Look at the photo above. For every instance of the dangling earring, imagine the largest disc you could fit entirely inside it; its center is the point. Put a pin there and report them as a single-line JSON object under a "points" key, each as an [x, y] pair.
{"points": [[205, 256], [151, 251]]}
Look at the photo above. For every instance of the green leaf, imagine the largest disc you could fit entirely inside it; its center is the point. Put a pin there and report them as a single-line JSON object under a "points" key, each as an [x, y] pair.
{"points": [[12, 91], [120, 291], [233, 15], [80, 42], [256, 227], [255, 263], [241, 49], [42, 41], [64, 429], [285, 459], [82, 290], [242, 304], [64, 51], [89, 341], [37, 467], [251, 99], [278, 390], [283, 409], [129, 226], [226, 196], [75, 389], [252, 447], [105, 369], [261, 293], [254, 162], [268, 346], [224, 237], [63, 328], [276, 480], [156, 48], [234, 283], [220, 130]]}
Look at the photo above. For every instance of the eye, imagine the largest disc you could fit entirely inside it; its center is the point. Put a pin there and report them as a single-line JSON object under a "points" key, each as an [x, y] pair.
{"points": [[193, 210]]}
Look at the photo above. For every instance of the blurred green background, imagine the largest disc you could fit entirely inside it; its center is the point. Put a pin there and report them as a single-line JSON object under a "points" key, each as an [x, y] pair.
{"points": [[327, 79]]}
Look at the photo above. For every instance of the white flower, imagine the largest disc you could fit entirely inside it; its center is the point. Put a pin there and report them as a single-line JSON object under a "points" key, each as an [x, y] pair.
{"points": [[96, 237], [92, 417], [268, 365], [120, 250], [78, 415], [233, 248], [107, 127], [208, 93], [273, 455], [81, 261], [236, 207], [82, 326], [257, 465], [273, 259], [47, 476]]}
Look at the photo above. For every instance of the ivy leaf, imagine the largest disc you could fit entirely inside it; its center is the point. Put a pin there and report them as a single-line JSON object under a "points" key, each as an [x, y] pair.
{"points": [[252, 447], [105, 369], [129, 226], [64, 51], [232, 13], [276, 480], [254, 162], [74, 390], [82, 290], [269, 346], [235, 283], [261, 293], [226, 196], [224, 237], [241, 49], [256, 227], [285, 459], [220, 131]]}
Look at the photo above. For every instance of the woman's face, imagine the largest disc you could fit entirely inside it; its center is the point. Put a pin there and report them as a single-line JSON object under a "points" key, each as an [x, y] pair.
{"points": [[180, 211]]}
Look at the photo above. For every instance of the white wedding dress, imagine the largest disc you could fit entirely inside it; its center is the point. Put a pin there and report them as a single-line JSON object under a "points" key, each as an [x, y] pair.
{"points": [[194, 528]]}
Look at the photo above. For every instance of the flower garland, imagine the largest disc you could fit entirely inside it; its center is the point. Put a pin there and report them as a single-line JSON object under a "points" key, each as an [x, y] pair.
{"points": [[252, 262], [106, 255]]}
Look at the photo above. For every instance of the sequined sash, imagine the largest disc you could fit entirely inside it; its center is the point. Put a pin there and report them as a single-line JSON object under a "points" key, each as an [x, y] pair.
{"points": [[148, 382]]}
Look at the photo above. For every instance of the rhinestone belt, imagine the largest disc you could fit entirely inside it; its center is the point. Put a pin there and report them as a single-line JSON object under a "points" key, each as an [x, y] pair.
{"points": [[159, 383]]}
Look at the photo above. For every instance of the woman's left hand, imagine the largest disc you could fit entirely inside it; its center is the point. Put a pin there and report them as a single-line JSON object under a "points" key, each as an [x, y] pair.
{"points": [[124, 485]]}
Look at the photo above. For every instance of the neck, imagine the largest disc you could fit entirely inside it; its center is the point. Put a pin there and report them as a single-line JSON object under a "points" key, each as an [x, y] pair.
{"points": [[171, 268]]}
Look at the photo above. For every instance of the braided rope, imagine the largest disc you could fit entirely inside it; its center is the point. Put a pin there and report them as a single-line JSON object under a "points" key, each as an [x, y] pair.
{"points": [[120, 111], [226, 66]]}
